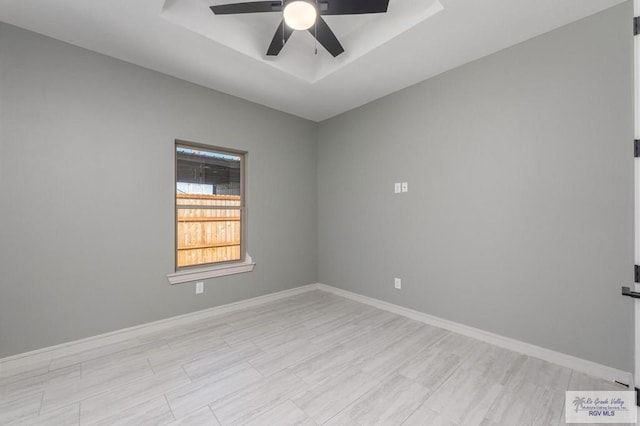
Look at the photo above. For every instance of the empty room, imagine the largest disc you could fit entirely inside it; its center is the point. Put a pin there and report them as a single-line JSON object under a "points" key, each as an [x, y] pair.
{"points": [[319, 212]]}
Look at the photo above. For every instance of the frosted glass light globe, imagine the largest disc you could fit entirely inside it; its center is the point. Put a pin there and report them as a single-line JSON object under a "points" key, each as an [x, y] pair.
{"points": [[300, 15]]}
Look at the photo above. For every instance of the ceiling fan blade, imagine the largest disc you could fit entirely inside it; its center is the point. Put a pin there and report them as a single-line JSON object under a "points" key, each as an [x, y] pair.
{"points": [[249, 7], [326, 37], [279, 39], [352, 7]]}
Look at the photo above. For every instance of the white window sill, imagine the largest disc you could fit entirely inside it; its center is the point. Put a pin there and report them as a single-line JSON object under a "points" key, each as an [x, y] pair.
{"points": [[195, 274]]}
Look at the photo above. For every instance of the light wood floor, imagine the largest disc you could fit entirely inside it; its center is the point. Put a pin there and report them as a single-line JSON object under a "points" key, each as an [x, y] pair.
{"points": [[314, 358]]}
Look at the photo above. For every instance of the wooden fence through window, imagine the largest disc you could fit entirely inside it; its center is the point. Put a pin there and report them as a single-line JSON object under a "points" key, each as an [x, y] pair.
{"points": [[207, 235]]}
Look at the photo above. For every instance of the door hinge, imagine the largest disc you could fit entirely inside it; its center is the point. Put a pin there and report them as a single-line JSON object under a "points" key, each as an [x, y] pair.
{"points": [[638, 397], [636, 25], [636, 148], [637, 274]]}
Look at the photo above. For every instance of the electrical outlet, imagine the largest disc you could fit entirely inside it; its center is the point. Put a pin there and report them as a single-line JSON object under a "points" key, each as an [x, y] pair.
{"points": [[199, 287], [405, 187], [397, 188], [397, 282]]}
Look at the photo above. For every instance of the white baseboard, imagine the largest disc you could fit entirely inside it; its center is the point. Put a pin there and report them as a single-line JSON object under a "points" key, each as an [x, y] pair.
{"points": [[44, 355], [569, 361]]}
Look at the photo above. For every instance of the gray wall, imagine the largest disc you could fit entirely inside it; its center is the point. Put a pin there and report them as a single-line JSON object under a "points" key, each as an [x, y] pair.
{"points": [[86, 192], [519, 215]]}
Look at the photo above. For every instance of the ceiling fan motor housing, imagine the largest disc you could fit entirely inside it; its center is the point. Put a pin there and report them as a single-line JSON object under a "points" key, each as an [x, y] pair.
{"points": [[321, 6]]}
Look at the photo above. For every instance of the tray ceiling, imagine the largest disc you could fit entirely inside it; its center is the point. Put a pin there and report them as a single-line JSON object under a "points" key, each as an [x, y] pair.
{"points": [[416, 40], [250, 34]]}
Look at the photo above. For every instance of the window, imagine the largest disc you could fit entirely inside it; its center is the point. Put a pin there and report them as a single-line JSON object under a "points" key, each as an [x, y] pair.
{"points": [[210, 214]]}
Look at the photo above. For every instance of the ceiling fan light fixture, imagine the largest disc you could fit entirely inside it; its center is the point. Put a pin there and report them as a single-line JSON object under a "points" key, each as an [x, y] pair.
{"points": [[300, 14]]}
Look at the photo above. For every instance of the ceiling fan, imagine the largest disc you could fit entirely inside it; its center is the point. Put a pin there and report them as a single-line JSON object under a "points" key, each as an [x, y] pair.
{"points": [[305, 15]]}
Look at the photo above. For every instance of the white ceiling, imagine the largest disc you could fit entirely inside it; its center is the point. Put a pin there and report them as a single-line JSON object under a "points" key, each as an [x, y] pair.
{"points": [[416, 40], [251, 34]]}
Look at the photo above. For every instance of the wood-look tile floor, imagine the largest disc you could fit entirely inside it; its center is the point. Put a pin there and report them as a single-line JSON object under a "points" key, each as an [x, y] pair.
{"points": [[314, 358]]}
